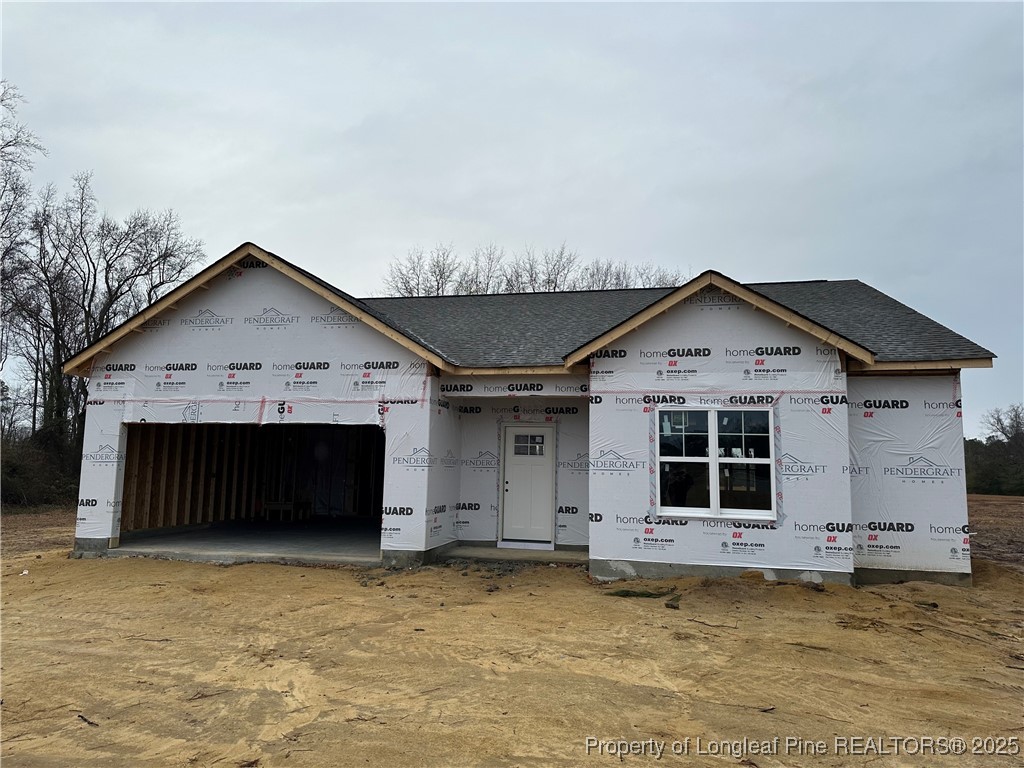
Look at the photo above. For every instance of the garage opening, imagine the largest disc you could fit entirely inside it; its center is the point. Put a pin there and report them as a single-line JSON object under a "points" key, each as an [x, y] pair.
{"points": [[305, 492]]}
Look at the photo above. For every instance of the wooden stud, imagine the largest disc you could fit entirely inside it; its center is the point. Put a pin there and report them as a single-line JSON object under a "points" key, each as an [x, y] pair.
{"points": [[190, 466], [145, 477], [177, 476], [161, 521], [130, 500], [202, 438], [236, 452], [227, 435], [246, 510], [211, 505]]}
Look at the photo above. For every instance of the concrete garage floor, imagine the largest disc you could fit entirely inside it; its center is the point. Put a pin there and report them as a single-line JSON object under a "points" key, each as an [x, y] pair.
{"points": [[354, 542]]}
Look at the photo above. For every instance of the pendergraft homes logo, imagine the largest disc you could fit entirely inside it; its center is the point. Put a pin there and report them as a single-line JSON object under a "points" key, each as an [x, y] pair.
{"points": [[206, 320], [334, 317], [614, 463], [484, 461], [795, 468], [271, 319], [578, 466], [713, 298], [924, 470], [416, 459], [104, 454], [155, 324]]}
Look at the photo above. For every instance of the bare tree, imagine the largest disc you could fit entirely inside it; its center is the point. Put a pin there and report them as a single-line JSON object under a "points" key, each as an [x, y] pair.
{"points": [[649, 275], [82, 274], [1007, 425], [490, 270], [437, 273], [14, 412], [484, 272], [18, 147], [18, 144], [522, 274], [69, 275], [605, 274]]}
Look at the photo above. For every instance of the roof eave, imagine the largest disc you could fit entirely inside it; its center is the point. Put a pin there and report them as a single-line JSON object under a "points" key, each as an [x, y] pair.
{"points": [[913, 366]]}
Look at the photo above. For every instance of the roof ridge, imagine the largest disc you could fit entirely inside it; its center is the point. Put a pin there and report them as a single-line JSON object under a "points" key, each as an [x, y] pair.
{"points": [[523, 293]]}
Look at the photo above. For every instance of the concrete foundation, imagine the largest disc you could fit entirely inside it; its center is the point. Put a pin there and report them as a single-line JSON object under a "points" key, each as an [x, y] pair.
{"points": [[86, 548], [866, 576], [354, 544], [360, 545], [492, 553], [611, 570]]}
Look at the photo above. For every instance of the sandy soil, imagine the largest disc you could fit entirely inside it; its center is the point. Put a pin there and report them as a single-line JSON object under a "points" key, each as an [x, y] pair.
{"points": [[144, 662]]}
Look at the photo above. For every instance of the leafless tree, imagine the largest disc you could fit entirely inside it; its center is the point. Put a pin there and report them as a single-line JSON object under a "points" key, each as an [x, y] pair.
{"points": [[605, 274], [436, 273], [1007, 425], [18, 144], [489, 269], [484, 272], [69, 275], [82, 274], [18, 148], [14, 413]]}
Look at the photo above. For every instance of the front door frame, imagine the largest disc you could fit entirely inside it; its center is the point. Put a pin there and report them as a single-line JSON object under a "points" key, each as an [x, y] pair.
{"points": [[549, 429]]}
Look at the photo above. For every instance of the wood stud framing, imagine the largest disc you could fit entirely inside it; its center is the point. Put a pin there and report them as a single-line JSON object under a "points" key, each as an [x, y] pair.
{"points": [[193, 474]]}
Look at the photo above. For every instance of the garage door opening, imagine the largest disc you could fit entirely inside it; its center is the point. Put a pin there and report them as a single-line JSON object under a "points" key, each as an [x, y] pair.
{"points": [[301, 492]]}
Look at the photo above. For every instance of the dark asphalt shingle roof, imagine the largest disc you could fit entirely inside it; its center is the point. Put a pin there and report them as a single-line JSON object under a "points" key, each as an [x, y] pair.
{"points": [[890, 329], [542, 328], [515, 329]]}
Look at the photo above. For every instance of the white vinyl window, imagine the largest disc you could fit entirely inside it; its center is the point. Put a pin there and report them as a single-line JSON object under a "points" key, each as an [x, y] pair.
{"points": [[716, 464]]}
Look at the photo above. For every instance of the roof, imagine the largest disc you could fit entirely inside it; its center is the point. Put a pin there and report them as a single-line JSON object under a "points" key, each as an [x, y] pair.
{"points": [[889, 328], [535, 328], [544, 328], [548, 332]]}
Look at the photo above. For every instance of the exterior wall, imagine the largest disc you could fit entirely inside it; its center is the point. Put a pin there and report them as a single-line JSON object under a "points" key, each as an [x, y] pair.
{"points": [[907, 474], [255, 348], [443, 479], [696, 356], [525, 400]]}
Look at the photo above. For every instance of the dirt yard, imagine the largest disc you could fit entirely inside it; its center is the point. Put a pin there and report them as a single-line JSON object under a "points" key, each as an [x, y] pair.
{"points": [[152, 663]]}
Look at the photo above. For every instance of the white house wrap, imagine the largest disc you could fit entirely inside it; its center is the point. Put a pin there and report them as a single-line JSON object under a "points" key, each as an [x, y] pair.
{"points": [[709, 428]]}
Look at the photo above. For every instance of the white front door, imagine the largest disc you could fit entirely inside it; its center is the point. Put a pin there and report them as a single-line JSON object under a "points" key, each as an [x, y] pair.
{"points": [[528, 484]]}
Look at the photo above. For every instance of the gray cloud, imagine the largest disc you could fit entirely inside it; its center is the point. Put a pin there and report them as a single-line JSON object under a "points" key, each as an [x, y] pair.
{"points": [[789, 141]]}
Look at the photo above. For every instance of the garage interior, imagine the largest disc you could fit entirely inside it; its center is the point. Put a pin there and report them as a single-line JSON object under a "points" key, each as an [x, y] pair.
{"points": [[243, 492]]}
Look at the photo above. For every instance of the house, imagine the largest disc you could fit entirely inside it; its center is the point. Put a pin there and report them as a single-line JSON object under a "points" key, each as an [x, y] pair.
{"points": [[803, 429]]}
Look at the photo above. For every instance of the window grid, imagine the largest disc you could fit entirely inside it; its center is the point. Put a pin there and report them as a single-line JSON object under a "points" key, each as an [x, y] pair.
{"points": [[735, 480]]}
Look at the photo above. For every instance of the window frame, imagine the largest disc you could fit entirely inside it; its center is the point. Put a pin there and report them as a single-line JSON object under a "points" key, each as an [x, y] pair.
{"points": [[715, 510]]}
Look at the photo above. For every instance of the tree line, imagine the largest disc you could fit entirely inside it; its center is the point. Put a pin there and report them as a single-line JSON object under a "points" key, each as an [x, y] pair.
{"points": [[442, 271], [995, 464]]}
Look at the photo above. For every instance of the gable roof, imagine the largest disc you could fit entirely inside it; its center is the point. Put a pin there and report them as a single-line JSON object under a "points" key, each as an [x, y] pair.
{"points": [[551, 332], [554, 329], [81, 363]]}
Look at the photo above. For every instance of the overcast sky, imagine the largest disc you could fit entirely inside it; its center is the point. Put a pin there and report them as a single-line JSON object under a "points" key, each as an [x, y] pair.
{"points": [[769, 142]]}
